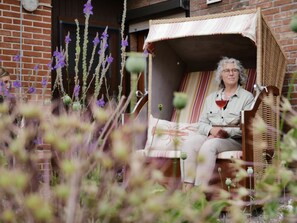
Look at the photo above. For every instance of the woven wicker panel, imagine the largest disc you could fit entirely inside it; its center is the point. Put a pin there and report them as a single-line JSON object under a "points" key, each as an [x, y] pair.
{"points": [[273, 59], [272, 71], [267, 140]]}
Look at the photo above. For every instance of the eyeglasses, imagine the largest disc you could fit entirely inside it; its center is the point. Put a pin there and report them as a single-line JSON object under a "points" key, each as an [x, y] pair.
{"points": [[235, 71]]}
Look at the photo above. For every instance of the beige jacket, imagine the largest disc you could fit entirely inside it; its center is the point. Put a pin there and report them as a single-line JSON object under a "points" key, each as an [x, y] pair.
{"points": [[213, 115]]}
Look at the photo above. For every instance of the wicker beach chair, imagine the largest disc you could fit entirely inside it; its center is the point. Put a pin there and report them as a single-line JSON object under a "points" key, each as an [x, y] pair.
{"points": [[179, 47]]}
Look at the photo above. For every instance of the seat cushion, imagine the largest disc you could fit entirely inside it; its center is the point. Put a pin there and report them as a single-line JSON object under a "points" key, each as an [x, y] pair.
{"points": [[166, 135], [230, 155], [159, 153]]}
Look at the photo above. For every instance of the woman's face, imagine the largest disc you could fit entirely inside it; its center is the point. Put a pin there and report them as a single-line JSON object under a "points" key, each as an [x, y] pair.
{"points": [[230, 74], [6, 81]]}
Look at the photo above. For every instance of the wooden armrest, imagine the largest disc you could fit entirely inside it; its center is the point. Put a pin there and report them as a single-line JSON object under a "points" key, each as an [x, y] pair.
{"points": [[141, 102], [227, 126], [246, 122], [138, 107], [264, 93]]}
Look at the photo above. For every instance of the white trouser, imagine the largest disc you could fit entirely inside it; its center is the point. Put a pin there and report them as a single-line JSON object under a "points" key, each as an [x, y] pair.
{"points": [[201, 157]]}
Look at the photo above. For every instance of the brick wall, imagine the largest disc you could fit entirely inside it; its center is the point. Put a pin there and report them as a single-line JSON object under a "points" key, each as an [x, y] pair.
{"points": [[35, 45], [278, 13]]}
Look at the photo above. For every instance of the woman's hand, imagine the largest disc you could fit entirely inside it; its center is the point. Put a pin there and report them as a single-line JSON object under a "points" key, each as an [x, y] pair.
{"points": [[218, 132]]}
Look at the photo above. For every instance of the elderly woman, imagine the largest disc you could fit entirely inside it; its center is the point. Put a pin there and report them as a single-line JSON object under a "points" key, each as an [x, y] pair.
{"points": [[221, 108], [4, 81]]}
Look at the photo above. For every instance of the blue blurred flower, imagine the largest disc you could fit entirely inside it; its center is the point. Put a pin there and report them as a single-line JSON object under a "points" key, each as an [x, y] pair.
{"points": [[60, 59], [17, 84], [76, 90], [44, 82], [49, 65], [100, 103], [104, 35], [67, 39], [88, 8], [96, 40], [17, 58], [32, 90], [109, 59], [125, 43]]}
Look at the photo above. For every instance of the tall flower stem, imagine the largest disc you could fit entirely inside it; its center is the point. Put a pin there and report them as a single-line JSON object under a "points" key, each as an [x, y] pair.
{"points": [[123, 56], [133, 90], [77, 52], [175, 145], [84, 58]]}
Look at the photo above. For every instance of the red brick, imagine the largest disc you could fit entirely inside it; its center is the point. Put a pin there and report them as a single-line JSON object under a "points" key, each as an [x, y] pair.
{"points": [[32, 54], [33, 42], [282, 2], [11, 39], [5, 32], [271, 11], [5, 20], [11, 14], [5, 45], [11, 27], [32, 29]]}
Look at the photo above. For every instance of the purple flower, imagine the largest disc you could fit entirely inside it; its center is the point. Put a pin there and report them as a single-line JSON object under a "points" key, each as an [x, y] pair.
{"points": [[49, 65], [6, 92], [60, 64], [104, 35], [124, 43], [100, 103], [36, 67], [145, 53], [32, 90], [17, 84], [109, 59], [88, 8], [76, 90], [17, 58], [106, 46], [96, 40], [44, 82], [38, 141], [58, 55], [67, 39], [60, 60], [99, 52]]}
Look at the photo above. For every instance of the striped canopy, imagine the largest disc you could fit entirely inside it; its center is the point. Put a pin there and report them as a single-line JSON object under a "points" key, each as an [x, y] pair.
{"points": [[244, 24]]}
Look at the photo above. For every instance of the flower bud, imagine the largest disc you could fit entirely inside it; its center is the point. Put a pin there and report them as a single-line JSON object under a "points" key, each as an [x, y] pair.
{"points": [[8, 216], [67, 99], [135, 63], [180, 100], [160, 107], [76, 106], [250, 170], [228, 182], [183, 155], [62, 191]]}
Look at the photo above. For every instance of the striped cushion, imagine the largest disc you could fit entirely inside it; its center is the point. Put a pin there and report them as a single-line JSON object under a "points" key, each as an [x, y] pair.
{"points": [[197, 86]]}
